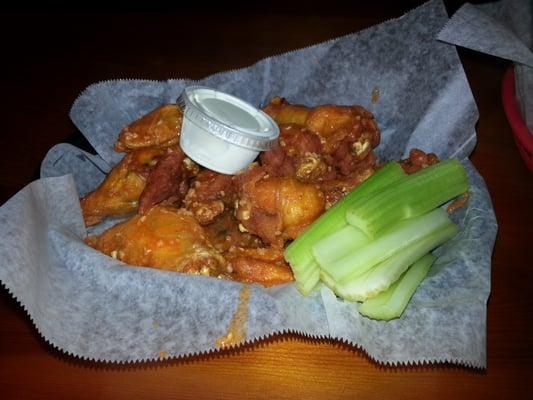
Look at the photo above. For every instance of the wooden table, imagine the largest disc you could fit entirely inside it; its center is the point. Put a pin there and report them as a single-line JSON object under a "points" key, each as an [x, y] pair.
{"points": [[51, 57]]}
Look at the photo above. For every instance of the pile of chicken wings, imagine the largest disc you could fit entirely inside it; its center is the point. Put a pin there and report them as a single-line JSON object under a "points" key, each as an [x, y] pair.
{"points": [[186, 218]]}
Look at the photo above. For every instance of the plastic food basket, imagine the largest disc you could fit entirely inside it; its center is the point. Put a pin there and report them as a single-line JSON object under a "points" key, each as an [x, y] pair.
{"points": [[522, 135]]}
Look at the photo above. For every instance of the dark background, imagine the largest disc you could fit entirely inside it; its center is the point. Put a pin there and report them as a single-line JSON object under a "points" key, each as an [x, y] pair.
{"points": [[51, 52]]}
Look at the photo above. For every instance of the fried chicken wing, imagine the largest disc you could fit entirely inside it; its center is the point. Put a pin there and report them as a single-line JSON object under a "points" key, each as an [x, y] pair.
{"points": [[119, 193], [160, 128], [276, 208], [418, 160], [285, 113], [299, 153], [249, 260], [224, 234], [347, 136], [336, 189], [167, 180], [211, 193], [165, 238], [265, 265]]}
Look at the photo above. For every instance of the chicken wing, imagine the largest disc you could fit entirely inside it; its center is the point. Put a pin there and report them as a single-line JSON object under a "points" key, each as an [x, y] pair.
{"points": [[119, 193], [224, 234], [160, 128], [165, 238], [211, 193], [168, 180], [299, 153], [276, 208], [347, 134], [248, 259], [265, 265], [418, 160]]}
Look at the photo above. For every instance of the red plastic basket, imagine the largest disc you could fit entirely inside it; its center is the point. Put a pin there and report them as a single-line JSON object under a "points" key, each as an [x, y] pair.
{"points": [[522, 135]]}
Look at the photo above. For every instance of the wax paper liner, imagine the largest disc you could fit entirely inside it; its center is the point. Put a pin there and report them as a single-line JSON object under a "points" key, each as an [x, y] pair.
{"points": [[503, 29], [94, 307]]}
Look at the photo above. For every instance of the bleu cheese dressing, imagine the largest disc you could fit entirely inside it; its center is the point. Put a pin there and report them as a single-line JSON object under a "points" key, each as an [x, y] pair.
{"points": [[222, 132]]}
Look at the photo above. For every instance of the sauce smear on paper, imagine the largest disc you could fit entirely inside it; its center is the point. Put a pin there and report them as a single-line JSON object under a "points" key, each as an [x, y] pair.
{"points": [[375, 95], [454, 205], [236, 332]]}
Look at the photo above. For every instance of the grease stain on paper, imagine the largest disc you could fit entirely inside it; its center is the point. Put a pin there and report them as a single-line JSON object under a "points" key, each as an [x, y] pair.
{"points": [[375, 95], [236, 332]]}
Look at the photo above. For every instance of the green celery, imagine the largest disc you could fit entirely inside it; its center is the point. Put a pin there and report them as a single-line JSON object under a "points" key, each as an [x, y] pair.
{"points": [[307, 278], [339, 244], [382, 276], [299, 254], [327, 280], [408, 197], [391, 303], [392, 241]]}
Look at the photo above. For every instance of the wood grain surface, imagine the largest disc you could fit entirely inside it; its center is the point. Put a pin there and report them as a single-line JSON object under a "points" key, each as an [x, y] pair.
{"points": [[50, 56]]}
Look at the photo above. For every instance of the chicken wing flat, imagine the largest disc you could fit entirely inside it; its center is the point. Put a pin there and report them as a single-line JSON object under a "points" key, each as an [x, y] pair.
{"points": [[119, 193], [166, 238], [264, 265], [160, 128]]}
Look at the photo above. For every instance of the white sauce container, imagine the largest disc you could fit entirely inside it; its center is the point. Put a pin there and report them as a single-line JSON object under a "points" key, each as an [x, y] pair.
{"points": [[222, 132]]}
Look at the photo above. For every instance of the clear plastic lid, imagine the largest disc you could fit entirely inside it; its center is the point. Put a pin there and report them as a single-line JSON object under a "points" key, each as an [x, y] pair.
{"points": [[229, 118]]}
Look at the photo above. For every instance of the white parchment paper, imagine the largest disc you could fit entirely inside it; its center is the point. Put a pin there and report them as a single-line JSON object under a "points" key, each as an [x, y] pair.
{"points": [[92, 306], [503, 29]]}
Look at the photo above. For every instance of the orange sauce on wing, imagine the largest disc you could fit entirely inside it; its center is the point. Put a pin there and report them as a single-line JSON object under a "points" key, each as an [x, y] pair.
{"points": [[236, 332]]}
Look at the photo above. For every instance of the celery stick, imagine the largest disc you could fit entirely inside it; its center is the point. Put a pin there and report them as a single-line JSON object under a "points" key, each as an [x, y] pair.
{"points": [[339, 244], [382, 276], [391, 303], [408, 197], [299, 254], [327, 280], [388, 244], [306, 271], [308, 279]]}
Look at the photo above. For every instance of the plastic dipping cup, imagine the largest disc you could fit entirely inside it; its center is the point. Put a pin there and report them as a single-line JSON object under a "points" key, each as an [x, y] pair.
{"points": [[222, 132]]}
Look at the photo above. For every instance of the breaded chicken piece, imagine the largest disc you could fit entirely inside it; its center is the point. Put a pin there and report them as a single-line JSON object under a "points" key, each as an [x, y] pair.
{"points": [[160, 128], [418, 160], [347, 136], [119, 193], [249, 260], [264, 265], [276, 208], [166, 238], [168, 180], [211, 194]]}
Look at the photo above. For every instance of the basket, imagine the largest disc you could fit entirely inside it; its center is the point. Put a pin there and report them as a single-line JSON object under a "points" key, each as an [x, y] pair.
{"points": [[522, 135]]}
